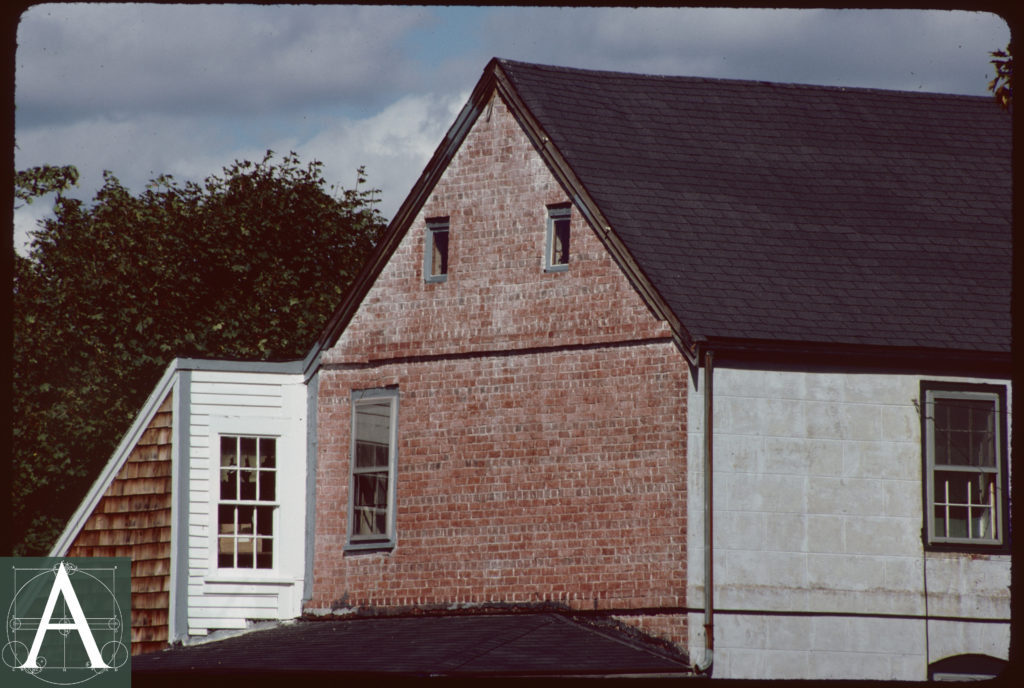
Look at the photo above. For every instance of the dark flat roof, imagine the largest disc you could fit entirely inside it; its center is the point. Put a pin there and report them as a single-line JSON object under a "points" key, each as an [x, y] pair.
{"points": [[461, 646], [791, 213]]}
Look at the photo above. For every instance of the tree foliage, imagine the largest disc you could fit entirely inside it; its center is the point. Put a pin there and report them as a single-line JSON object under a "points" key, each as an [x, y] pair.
{"points": [[38, 181], [247, 265], [1002, 84]]}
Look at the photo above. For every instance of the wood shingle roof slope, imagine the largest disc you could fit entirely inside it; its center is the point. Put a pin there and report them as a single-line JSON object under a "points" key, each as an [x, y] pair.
{"points": [[775, 212], [765, 216]]}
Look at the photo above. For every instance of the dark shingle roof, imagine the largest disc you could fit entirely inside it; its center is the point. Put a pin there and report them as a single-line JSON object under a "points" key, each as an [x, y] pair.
{"points": [[791, 213], [519, 644]]}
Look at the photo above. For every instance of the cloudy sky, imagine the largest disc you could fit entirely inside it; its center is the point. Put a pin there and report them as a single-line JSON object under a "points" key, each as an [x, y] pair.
{"points": [[144, 90]]}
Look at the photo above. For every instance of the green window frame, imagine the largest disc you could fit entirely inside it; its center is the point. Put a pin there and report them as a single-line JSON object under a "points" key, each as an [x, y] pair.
{"points": [[435, 254], [373, 458], [965, 466], [556, 249]]}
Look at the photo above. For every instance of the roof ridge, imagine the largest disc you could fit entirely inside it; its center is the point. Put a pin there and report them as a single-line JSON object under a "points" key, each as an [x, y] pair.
{"points": [[693, 78]]}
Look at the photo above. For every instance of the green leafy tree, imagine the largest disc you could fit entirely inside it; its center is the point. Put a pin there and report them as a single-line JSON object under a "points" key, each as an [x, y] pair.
{"points": [[1002, 84], [247, 265]]}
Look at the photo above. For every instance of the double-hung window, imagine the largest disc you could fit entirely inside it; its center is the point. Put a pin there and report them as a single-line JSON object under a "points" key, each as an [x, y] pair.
{"points": [[435, 255], [247, 503], [371, 512], [556, 253], [965, 466]]}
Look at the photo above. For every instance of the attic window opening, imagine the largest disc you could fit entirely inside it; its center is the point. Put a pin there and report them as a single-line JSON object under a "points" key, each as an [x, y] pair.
{"points": [[248, 502], [435, 259], [557, 243]]}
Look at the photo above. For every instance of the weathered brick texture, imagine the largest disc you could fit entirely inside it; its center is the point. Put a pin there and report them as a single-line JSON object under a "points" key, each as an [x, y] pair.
{"points": [[133, 519], [541, 451]]}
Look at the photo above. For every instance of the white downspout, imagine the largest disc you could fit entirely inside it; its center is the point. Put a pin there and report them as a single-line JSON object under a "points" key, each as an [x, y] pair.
{"points": [[705, 666]]}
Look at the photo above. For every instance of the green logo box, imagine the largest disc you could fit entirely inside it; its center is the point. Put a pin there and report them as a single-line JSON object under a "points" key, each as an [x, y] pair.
{"points": [[67, 621]]}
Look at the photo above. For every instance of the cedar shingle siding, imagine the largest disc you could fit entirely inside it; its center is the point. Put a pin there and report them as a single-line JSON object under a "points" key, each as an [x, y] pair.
{"points": [[133, 519]]}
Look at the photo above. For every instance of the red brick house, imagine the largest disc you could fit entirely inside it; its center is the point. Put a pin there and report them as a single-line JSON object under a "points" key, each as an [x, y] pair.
{"points": [[507, 413]]}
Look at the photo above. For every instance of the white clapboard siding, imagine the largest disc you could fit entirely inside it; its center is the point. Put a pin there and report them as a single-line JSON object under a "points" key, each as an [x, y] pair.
{"points": [[233, 402]]}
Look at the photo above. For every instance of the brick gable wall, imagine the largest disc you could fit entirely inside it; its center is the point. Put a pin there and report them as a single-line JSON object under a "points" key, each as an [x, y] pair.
{"points": [[133, 519], [541, 451]]}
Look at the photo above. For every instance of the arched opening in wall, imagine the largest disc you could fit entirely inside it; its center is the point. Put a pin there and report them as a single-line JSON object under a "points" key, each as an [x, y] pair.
{"points": [[966, 668]]}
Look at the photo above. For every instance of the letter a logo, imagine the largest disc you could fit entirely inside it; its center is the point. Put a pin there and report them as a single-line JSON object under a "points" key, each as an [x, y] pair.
{"points": [[62, 586]]}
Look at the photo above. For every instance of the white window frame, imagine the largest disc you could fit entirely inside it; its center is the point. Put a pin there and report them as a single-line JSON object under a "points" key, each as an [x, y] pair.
{"points": [[435, 227], [931, 392], [287, 551], [557, 214], [273, 504], [386, 540]]}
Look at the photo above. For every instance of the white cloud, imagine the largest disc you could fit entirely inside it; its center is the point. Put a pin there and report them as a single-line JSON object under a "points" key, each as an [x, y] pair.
{"points": [[935, 51], [130, 58], [144, 90], [394, 145]]}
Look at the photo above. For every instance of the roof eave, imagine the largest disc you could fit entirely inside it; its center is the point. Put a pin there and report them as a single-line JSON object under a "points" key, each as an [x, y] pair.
{"points": [[831, 355]]}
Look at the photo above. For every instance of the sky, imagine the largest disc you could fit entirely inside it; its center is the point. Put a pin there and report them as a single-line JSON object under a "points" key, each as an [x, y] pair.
{"points": [[144, 90]]}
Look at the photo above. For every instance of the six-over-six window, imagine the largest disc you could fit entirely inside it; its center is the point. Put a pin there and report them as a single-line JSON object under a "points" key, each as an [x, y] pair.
{"points": [[965, 464], [248, 501]]}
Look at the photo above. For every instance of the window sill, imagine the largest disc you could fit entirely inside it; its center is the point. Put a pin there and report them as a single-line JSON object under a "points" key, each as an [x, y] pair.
{"points": [[556, 268], [436, 279], [957, 548], [368, 547], [239, 579]]}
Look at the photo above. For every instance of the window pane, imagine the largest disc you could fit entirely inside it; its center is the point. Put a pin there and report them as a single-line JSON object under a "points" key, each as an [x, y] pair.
{"points": [[264, 520], [225, 519], [369, 521], [560, 242], [371, 490], [981, 523], [264, 553], [247, 485], [373, 434], [957, 522], [268, 452], [965, 432], [245, 553], [226, 552], [246, 518], [228, 451], [248, 452], [267, 489], [439, 257], [940, 522], [228, 484]]}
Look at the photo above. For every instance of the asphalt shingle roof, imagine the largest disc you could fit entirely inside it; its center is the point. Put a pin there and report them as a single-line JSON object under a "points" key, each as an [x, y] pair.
{"points": [[796, 213], [519, 644]]}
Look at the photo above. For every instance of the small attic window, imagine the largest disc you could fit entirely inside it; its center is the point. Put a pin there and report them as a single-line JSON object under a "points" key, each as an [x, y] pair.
{"points": [[556, 253], [435, 257]]}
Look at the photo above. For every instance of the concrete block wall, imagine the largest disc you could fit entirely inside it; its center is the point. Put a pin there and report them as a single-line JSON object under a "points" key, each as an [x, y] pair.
{"points": [[542, 415], [818, 517]]}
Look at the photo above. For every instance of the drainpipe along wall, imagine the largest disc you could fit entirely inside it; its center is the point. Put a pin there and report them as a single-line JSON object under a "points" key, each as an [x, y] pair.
{"points": [[705, 666]]}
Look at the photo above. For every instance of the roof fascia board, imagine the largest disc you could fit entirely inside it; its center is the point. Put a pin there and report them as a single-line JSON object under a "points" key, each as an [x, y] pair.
{"points": [[565, 175], [825, 356], [117, 460], [406, 214], [225, 366]]}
